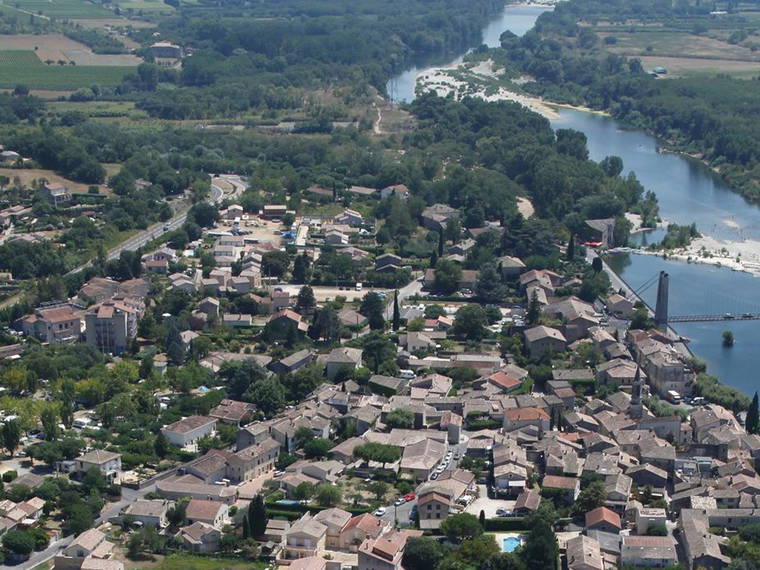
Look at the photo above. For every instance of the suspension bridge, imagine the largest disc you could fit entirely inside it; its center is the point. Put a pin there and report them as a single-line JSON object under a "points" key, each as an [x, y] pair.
{"points": [[662, 316]]}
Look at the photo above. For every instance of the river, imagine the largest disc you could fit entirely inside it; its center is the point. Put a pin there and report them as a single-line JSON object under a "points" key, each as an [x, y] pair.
{"points": [[687, 192], [517, 19]]}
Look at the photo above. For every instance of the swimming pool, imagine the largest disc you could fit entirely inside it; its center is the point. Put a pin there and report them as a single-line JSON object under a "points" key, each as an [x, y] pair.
{"points": [[510, 543]]}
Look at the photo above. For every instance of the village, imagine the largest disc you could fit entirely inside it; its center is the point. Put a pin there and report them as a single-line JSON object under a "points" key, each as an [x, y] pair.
{"points": [[432, 397]]}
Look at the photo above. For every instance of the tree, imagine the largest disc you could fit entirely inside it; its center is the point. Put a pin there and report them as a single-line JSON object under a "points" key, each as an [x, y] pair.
{"points": [[376, 321], [161, 445], [590, 498], [317, 448], [203, 214], [478, 549], [306, 300], [489, 287], [303, 491], [378, 350], [503, 561], [728, 338], [400, 419], [396, 312], [268, 395], [275, 263], [11, 435], [301, 268], [534, 309], [380, 452], [378, 489], [371, 303], [421, 553], [470, 322], [177, 515], [461, 527], [18, 542], [257, 516], [448, 273], [570, 254], [753, 416], [326, 325], [49, 420], [482, 518], [540, 549], [597, 265], [327, 495]]}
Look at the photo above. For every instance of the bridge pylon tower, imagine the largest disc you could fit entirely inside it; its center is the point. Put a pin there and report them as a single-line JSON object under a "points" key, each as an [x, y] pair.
{"points": [[661, 308]]}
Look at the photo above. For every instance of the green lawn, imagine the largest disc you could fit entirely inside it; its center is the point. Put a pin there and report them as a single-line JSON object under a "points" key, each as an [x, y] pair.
{"points": [[61, 8], [146, 6], [25, 67], [189, 562]]}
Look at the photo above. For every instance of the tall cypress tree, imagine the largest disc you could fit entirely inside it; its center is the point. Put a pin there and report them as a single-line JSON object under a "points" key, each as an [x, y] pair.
{"points": [[753, 416], [257, 512], [571, 248], [246, 527], [433, 259], [440, 244], [396, 312]]}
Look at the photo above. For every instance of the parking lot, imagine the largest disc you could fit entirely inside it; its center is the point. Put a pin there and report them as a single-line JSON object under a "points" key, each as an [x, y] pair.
{"points": [[488, 506]]}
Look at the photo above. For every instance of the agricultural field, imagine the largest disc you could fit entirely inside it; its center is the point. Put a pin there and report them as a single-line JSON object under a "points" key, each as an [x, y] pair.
{"points": [[682, 53], [59, 8], [145, 6], [24, 67], [29, 175], [57, 47], [100, 110]]}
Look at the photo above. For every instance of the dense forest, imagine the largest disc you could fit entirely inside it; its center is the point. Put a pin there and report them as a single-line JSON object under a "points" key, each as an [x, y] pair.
{"points": [[252, 57], [715, 117]]}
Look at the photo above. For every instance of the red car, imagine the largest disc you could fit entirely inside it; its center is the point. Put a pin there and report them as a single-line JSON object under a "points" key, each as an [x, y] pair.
{"points": [[409, 497]]}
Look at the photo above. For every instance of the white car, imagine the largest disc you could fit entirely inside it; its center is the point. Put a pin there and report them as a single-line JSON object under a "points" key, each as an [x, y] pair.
{"points": [[399, 502], [379, 512]]}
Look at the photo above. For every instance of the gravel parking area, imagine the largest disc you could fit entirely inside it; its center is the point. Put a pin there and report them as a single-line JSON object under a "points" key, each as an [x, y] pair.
{"points": [[488, 506]]}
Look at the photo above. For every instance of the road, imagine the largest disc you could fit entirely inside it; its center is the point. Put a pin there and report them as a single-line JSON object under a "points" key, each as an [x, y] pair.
{"points": [[409, 290], [399, 515], [110, 510], [177, 221]]}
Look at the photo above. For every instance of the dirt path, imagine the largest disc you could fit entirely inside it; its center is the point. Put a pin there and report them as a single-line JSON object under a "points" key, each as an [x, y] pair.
{"points": [[525, 207], [376, 127]]}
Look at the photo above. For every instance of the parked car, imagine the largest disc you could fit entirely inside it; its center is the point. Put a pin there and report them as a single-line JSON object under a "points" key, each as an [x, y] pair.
{"points": [[409, 497], [400, 501], [434, 476], [379, 512]]}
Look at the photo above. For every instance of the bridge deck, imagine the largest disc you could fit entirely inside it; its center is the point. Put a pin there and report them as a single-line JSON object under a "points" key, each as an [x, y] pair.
{"points": [[708, 318]]}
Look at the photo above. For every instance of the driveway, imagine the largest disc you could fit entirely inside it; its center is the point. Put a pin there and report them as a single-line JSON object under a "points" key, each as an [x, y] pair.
{"points": [[488, 506]]}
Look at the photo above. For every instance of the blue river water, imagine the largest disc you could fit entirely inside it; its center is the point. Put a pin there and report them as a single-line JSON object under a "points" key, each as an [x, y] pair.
{"points": [[687, 192]]}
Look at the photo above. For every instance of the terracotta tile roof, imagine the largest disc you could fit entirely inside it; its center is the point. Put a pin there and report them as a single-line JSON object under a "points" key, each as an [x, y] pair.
{"points": [[558, 482], [504, 380], [526, 414], [203, 510], [600, 515]]}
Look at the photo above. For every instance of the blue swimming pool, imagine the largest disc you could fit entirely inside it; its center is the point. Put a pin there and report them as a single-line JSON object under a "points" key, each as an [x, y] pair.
{"points": [[510, 544]]}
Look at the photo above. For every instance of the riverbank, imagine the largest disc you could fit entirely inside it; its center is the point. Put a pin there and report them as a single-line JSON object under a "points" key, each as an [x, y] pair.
{"points": [[479, 80], [735, 255]]}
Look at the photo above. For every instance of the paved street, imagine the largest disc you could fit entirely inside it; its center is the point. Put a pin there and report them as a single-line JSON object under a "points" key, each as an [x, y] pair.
{"points": [[218, 194], [110, 510], [409, 290], [401, 513]]}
